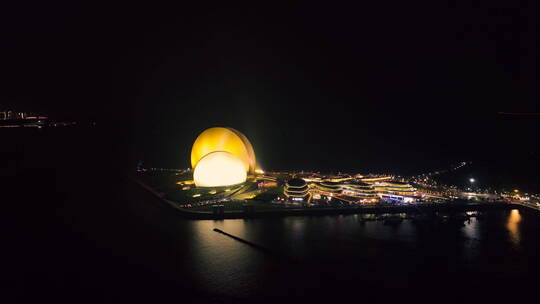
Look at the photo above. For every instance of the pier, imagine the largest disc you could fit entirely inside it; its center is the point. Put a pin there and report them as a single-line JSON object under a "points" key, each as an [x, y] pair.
{"points": [[258, 247]]}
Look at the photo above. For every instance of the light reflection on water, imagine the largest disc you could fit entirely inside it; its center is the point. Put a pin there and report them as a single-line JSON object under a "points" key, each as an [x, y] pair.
{"points": [[513, 226], [221, 262], [471, 231], [384, 251]]}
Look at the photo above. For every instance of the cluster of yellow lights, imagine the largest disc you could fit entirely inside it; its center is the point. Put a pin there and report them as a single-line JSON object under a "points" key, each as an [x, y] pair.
{"points": [[221, 157], [181, 183], [374, 179]]}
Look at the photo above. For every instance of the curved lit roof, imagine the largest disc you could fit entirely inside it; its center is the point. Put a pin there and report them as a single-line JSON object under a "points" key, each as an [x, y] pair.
{"points": [[226, 140], [296, 183], [357, 184], [398, 183], [296, 190], [330, 184], [249, 148], [296, 187]]}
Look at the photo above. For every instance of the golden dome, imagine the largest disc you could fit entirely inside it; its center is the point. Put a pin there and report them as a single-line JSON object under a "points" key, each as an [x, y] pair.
{"points": [[225, 140]]}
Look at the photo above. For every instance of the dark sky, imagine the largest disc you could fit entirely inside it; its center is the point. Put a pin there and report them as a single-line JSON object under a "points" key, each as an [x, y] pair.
{"points": [[376, 86]]}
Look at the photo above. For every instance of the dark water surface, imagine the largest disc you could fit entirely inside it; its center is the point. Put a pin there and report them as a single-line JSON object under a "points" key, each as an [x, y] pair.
{"points": [[339, 256]]}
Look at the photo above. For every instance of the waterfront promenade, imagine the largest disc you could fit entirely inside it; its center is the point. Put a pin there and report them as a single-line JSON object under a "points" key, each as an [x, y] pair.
{"points": [[415, 208]]}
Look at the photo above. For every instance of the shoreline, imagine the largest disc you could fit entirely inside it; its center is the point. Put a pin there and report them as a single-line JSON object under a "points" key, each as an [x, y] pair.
{"points": [[392, 209]]}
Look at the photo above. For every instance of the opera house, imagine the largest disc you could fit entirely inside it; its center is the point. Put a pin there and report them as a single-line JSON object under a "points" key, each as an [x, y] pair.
{"points": [[221, 157]]}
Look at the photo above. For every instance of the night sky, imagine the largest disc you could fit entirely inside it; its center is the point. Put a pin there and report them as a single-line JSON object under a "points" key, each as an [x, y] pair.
{"points": [[383, 86]]}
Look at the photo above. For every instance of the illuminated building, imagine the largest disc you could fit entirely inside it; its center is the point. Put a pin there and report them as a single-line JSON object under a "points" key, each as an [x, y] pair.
{"points": [[365, 191], [266, 184], [399, 188], [221, 157], [329, 187], [360, 190], [376, 179], [226, 140], [395, 191], [296, 189]]}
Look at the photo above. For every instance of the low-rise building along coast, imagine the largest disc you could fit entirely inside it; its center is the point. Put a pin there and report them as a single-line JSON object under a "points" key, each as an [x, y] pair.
{"points": [[360, 190], [296, 190]]}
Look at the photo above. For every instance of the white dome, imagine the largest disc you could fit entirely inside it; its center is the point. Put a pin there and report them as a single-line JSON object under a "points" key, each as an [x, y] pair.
{"points": [[219, 169]]}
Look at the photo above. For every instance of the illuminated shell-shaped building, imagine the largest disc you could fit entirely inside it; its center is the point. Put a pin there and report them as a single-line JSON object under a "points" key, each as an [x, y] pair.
{"points": [[221, 157]]}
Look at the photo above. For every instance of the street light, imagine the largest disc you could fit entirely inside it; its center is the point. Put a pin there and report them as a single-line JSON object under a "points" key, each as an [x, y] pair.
{"points": [[471, 180]]}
